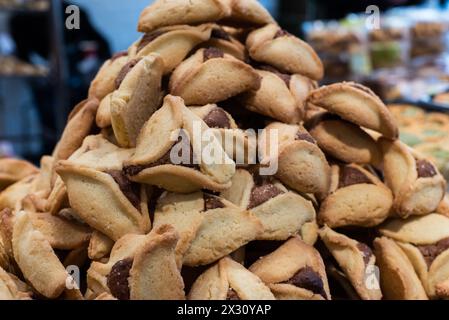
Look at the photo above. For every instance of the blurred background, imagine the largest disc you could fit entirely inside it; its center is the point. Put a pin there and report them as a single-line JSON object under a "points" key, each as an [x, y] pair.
{"points": [[46, 68]]}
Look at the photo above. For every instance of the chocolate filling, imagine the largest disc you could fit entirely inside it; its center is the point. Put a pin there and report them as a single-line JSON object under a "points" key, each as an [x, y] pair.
{"points": [[262, 191], [117, 279], [165, 159], [366, 252], [119, 55], [220, 33], [282, 33], [212, 53], [305, 137], [284, 77], [130, 189], [350, 176], [217, 118], [149, 37], [308, 279], [425, 169], [153, 195], [431, 252], [124, 72], [212, 202], [232, 295]]}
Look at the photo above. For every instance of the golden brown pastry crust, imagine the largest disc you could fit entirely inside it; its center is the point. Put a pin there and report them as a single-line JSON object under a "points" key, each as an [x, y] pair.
{"points": [[13, 170], [97, 198], [241, 146], [156, 139], [211, 76], [280, 96], [172, 43], [357, 198], [209, 227], [136, 99], [226, 278], [154, 274], [355, 259], [397, 277], [417, 185], [301, 164], [78, 127], [104, 82], [289, 260], [283, 213], [284, 51], [36, 259], [357, 104], [163, 13], [344, 141]]}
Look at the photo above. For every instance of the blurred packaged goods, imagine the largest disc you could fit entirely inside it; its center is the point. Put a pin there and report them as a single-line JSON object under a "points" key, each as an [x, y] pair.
{"points": [[428, 38], [342, 48], [404, 58], [389, 46]]}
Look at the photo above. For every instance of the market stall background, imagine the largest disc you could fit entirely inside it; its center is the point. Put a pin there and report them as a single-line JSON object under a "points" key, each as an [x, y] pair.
{"points": [[46, 71]]}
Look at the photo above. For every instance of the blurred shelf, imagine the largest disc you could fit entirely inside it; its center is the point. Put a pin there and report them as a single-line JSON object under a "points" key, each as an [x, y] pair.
{"points": [[54, 75], [23, 76], [23, 10], [37, 7], [429, 106]]}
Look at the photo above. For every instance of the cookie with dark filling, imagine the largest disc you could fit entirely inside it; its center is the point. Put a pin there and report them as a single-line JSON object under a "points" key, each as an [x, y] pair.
{"points": [[282, 212], [104, 82], [169, 156], [96, 186], [417, 185], [172, 43], [357, 104], [281, 96], [209, 226], [211, 76], [343, 140], [427, 251], [28, 246], [357, 198], [301, 163], [284, 51], [294, 271], [229, 280], [356, 260], [137, 96], [178, 12], [224, 41], [398, 278], [141, 267], [106, 202], [239, 145]]}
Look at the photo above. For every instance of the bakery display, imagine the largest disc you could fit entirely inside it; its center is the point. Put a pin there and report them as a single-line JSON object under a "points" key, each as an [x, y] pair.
{"points": [[427, 38], [208, 164], [38, 5]]}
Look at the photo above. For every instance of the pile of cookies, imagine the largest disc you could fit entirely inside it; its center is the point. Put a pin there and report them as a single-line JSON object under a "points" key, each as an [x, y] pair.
{"points": [[322, 202]]}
